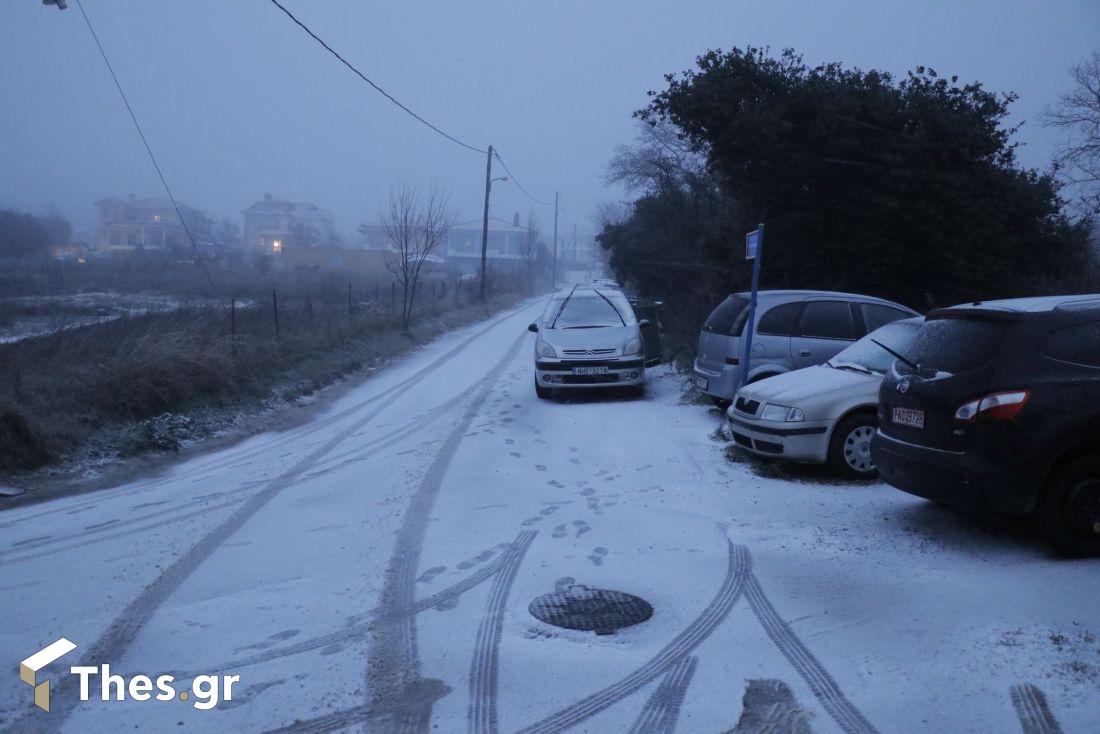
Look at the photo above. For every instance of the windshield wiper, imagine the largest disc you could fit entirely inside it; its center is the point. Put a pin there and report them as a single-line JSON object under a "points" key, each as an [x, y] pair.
{"points": [[899, 355], [562, 307], [609, 303]]}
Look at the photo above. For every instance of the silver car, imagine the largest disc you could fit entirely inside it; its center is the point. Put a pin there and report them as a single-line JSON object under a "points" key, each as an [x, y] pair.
{"points": [[825, 413], [588, 337], [794, 329]]}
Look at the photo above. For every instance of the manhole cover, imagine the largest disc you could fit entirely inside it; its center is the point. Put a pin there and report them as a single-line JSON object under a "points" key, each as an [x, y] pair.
{"points": [[581, 608]]}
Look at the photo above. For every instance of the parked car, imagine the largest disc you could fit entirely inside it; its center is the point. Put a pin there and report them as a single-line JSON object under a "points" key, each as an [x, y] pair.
{"points": [[995, 406], [650, 325], [794, 329], [588, 337], [822, 414]]}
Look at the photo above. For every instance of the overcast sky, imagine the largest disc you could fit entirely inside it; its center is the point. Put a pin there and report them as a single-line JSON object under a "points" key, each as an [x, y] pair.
{"points": [[237, 101]]}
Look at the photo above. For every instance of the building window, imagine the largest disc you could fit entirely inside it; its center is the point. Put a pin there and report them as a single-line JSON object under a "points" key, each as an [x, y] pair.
{"points": [[277, 246]]}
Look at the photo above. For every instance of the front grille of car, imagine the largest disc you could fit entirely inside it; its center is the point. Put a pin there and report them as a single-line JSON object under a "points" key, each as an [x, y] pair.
{"points": [[769, 447], [748, 406], [568, 364], [587, 352], [589, 379]]}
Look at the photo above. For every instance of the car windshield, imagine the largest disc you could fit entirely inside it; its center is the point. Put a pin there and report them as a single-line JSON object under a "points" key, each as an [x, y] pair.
{"points": [[594, 309], [867, 354]]}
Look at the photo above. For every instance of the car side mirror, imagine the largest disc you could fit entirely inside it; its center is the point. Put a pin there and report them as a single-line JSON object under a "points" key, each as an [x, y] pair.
{"points": [[643, 322], [533, 328]]}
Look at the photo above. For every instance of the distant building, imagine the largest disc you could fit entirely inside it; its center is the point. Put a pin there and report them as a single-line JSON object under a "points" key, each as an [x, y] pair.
{"points": [[134, 225], [274, 224], [461, 253]]}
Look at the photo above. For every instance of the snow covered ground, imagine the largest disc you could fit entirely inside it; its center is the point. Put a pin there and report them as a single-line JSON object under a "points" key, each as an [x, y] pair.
{"points": [[372, 569]]}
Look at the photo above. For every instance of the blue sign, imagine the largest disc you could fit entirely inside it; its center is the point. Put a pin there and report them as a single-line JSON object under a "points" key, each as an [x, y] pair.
{"points": [[752, 244]]}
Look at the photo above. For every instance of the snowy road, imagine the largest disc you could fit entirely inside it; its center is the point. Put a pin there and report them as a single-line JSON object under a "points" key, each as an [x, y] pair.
{"points": [[372, 569]]}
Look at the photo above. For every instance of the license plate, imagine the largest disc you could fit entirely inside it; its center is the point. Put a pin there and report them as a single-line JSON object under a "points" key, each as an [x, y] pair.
{"points": [[909, 417], [701, 382], [589, 370]]}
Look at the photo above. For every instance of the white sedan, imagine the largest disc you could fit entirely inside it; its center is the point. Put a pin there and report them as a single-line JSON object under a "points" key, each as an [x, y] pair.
{"points": [[822, 414]]}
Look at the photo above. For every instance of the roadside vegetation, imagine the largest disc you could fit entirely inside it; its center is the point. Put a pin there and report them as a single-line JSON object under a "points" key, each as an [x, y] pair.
{"points": [[907, 189], [157, 380]]}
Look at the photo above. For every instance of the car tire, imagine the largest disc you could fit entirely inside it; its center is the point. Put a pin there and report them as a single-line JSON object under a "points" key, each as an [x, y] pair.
{"points": [[721, 403], [850, 446], [543, 393], [1070, 501]]}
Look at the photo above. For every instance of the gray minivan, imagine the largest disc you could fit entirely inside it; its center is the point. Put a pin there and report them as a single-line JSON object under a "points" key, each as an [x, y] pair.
{"points": [[794, 329]]}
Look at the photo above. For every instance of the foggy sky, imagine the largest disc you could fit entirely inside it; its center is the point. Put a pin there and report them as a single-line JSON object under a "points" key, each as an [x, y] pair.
{"points": [[237, 101]]}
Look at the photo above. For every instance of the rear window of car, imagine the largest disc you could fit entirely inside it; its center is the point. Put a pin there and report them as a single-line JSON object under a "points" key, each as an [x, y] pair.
{"points": [[729, 317], [955, 345], [1079, 344]]}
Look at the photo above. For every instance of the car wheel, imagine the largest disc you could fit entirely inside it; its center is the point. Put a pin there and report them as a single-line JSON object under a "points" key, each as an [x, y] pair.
{"points": [[721, 403], [543, 393], [850, 446], [1069, 511]]}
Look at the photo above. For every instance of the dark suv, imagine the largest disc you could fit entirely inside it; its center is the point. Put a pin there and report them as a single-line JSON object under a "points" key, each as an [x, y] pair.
{"points": [[995, 406]]}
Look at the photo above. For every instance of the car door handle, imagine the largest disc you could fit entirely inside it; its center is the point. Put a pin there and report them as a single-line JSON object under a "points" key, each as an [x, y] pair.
{"points": [[803, 352]]}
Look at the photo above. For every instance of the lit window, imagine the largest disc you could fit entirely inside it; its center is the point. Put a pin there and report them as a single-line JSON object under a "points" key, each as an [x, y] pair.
{"points": [[277, 245], [156, 217]]}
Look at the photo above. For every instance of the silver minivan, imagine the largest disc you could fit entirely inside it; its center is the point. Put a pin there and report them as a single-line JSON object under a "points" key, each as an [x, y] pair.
{"points": [[794, 329]]}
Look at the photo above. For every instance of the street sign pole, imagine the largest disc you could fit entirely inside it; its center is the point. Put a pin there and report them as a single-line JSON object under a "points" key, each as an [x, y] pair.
{"points": [[754, 250]]}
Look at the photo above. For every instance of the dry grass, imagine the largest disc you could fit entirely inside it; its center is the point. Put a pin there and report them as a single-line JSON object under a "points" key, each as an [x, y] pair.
{"points": [[57, 392]]}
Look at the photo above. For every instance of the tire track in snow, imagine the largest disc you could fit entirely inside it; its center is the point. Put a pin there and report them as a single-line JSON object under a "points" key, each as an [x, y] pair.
{"points": [[123, 630], [485, 665], [393, 665], [366, 451], [1034, 711], [359, 631], [824, 688], [740, 564], [661, 711]]}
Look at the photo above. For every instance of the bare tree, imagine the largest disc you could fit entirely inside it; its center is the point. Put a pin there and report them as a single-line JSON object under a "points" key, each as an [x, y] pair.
{"points": [[416, 227], [660, 158], [1078, 114]]}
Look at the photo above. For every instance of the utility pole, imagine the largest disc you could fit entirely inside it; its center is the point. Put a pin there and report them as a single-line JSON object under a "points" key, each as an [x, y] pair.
{"points": [[485, 218], [554, 271]]}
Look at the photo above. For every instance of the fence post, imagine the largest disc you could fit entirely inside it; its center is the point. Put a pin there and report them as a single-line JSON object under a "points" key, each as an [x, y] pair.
{"points": [[393, 295], [275, 306]]}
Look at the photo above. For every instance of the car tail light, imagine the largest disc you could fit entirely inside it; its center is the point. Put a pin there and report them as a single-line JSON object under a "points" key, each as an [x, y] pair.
{"points": [[1000, 406], [733, 361]]}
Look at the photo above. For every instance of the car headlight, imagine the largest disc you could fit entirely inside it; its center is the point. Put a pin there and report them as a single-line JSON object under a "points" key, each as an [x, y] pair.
{"points": [[634, 346], [545, 350], [782, 413]]}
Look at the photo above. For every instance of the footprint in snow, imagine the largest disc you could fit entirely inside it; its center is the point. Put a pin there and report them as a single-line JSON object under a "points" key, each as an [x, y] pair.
{"points": [[597, 555], [509, 441], [516, 454], [559, 532], [431, 573], [532, 520], [555, 483], [582, 527], [540, 467], [564, 583]]}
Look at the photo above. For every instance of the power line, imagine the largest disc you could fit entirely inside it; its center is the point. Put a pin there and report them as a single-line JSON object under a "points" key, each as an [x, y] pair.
{"points": [[517, 183], [377, 88], [149, 150]]}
